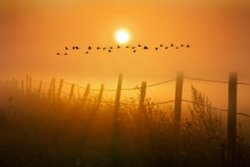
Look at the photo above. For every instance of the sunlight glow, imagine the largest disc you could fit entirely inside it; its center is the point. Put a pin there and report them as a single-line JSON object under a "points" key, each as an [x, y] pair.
{"points": [[122, 36]]}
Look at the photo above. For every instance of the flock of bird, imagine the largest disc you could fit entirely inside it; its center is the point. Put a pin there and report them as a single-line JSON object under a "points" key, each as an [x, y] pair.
{"points": [[133, 48]]}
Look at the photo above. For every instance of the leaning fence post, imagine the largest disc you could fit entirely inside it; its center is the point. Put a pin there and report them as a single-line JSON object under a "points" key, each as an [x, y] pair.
{"points": [[60, 89], [40, 88], [118, 96], [99, 100], [51, 88], [86, 94], [232, 111], [71, 93], [178, 100], [142, 96]]}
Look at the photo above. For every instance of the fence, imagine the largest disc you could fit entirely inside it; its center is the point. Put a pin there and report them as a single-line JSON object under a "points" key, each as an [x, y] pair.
{"points": [[53, 93]]}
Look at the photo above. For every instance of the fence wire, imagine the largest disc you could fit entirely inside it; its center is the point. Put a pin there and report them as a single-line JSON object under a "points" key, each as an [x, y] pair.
{"points": [[214, 81]]}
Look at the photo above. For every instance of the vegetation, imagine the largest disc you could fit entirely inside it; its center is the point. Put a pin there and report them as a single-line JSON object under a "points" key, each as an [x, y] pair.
{"points": [[44, 132]]}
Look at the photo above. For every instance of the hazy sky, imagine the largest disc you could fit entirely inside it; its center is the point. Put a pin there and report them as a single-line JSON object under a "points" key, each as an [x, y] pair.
{"points": [[32, 31]]}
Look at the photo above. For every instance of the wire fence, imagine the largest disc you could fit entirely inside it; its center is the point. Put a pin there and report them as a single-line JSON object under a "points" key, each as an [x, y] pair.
{"points": [[46, 86]]}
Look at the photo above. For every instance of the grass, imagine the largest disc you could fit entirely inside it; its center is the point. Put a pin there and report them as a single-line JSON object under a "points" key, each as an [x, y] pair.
{"points": [[45, 132]]}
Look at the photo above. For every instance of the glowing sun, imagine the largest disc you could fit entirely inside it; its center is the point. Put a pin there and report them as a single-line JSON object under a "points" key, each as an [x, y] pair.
{"points": [[122, 36]]}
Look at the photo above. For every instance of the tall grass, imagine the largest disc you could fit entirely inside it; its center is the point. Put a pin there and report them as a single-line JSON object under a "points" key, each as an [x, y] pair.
{"points": [[42, 132]]}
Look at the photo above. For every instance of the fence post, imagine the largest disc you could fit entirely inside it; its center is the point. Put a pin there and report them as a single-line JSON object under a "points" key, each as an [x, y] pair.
{"points": [[40, 88], [86, 94], [142, 96], [60, 89], [22, 86], [99, 100], [71, 93], [27, 84], [30, 84], [116, 141], [178, 100], [13, 84], [51, 88], [118, 96], [232, 111]]}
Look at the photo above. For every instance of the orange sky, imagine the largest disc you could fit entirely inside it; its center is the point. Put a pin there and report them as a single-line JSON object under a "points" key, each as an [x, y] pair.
{"points": [[33, 31]]}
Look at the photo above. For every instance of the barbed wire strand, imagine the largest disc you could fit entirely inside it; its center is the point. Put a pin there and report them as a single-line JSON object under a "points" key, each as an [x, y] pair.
{"points": [[205, 80], [242, 83], [215, 81], [160, 83]]}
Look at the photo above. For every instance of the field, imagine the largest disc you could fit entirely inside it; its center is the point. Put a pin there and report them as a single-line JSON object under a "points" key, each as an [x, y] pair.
{"points": [[48, 131]]}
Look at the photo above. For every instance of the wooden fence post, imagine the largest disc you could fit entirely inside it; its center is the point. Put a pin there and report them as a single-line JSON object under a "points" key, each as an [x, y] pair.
{"points": [[116, 138], [86, 94], [232, 111], [22, 86], [27, 84], [40, 88], [178, 100], [30, 84], [142, 96], [60, 89], [99, 100], [13, 84], [118, 96], [51, 92], [71, 93]]}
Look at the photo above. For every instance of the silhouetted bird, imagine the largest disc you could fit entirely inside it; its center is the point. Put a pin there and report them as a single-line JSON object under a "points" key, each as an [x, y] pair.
{"points": [[110, 47], [156, 48], [188, 46], [57, 53], [118, 47], [110, 51], [166, 47], [133, 47], [98, 48], [172, 45], [66, 48], [161, 45], [127, 46], [182, 45], [145, 47], [139, 45], [176, 47], [134, 51], [75, 47], [86, 52], [89, 48], [65, 53], [104, 48]]}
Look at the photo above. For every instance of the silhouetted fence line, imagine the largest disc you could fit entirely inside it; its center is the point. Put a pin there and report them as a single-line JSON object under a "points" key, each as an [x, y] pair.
{"points": [[54, 90]]}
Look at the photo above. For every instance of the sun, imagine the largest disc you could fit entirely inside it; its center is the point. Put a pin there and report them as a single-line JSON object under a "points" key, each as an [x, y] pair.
{"points": [[122, 36]]}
